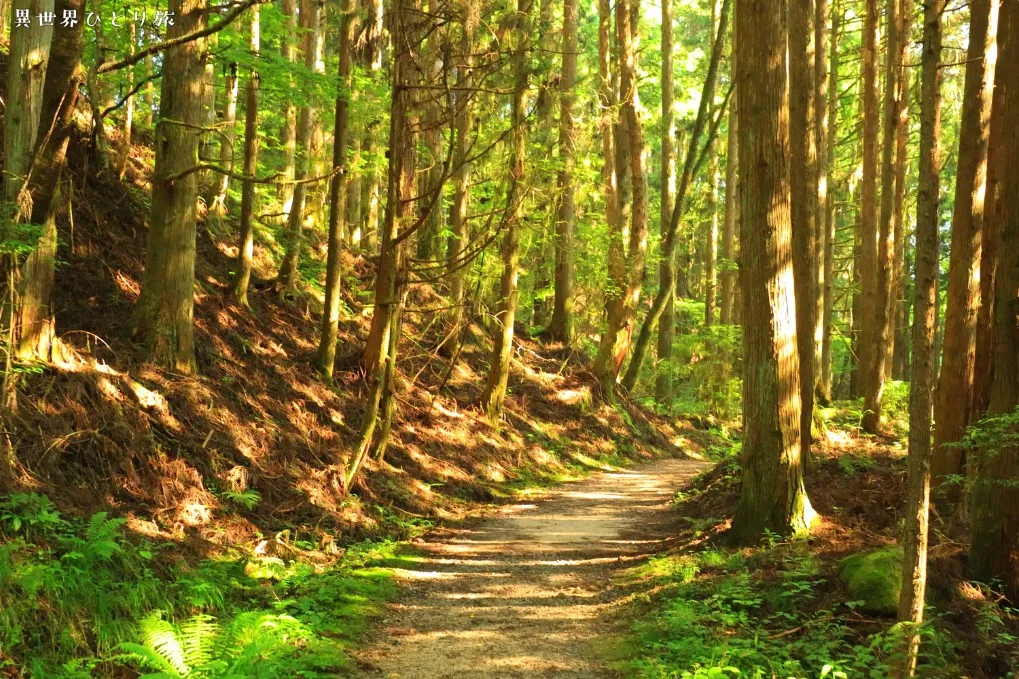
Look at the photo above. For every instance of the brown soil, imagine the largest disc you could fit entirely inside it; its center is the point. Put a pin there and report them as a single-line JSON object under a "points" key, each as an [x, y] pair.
{"points": [[527, 592]]}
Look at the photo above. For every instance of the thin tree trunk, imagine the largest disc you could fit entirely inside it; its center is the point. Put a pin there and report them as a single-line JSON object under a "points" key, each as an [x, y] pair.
{"points": [[728, 260], [125, 141], [772, 497], [822, 14], [560, 326], [679, 207], [711, 242], [456, 268], [803, 173], [249, 194], [163, 315], [288, 133], [914, 566], [498, 376], [311, 20], [994, 504], [667, 323], [955, 383], [217, 202], [870, 380], [829, 133], [337, 207]]}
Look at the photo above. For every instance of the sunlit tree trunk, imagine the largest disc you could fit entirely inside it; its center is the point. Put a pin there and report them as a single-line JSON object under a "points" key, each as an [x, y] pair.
{"points": [[337, 202], [433, 159], [370, 197], [288, 133], [803, 176], [249, 193], [955, 382], [217, 201], [870, 379], [667, 323], [125, 138], [994, 503], [728, 254], [55, 106], [498, 376], [163, 314], [772, 496], [822, 15], [711, 242], [828, 133], [914, 539], [311, 22], [560, 326]]}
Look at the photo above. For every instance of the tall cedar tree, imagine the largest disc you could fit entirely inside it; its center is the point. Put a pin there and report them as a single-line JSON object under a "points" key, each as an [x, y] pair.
{"points": [[994, 503], [249, 192], [165, 308], [666, 330], [914, 539], [772, 497], [871, 382], [498, 376], [955, 383]]}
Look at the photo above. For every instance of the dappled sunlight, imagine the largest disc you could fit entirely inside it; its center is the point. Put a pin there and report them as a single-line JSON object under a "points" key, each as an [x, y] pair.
{"points": [[482, 591]]}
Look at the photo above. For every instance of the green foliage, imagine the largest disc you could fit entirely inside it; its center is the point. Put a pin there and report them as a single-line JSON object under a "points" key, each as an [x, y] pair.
{"points": [[725, 615], [76, 595], [708, 372]]}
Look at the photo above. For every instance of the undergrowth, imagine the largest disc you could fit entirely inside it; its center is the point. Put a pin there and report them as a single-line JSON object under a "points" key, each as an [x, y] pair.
{"points": [[80, 598], [764, 613]]}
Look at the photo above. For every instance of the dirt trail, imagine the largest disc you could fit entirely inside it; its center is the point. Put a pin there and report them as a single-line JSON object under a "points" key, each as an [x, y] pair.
{"points": [[524, 593]]}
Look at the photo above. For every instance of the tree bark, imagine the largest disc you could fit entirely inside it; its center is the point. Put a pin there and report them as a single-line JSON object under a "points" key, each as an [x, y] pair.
{"points": [[249, 194], [728, 260], [803, 175], [914, 566], [667, 323], [35, 323], [288, 133], [337, 203], [498, 376], [311, 20], [994, 504], [217, 201], [955, 382], [560, 327], [870, 380], [828, 133], [456, 268], [772, 496], [164, 311]]}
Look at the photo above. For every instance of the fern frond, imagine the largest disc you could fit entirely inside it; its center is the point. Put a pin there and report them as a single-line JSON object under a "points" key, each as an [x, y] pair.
{"points": [[162, 637], [198, 637], [147, 657]]}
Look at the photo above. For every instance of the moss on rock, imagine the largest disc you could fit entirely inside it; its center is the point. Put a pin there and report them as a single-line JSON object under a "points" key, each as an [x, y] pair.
{"points": [[875, 578]]}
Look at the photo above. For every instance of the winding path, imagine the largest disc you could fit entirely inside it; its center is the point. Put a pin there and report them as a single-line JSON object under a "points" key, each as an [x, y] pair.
{"points": [[525, 592]]}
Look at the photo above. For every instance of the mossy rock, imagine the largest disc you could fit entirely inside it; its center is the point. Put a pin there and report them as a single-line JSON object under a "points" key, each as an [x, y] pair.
{"points": [[875, 578]]}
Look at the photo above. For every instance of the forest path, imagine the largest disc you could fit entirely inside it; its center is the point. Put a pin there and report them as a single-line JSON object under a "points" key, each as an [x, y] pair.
{"points": [[525, 592]]}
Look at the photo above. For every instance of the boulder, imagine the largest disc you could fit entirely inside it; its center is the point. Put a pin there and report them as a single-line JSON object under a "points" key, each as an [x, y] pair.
{"points": [[875, 578]]}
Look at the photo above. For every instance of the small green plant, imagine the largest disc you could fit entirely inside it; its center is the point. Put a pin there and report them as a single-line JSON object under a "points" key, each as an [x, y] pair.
{"points": [[248, 499]]}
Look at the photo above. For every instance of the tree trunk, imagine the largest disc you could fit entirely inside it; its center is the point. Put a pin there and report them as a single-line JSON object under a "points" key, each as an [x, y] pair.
{"points": [[804, 181], [772, 497], [432, 142], [955, 383], [217, 201], [125, 140], [311, 21], [35, 323], [380, 348], [893, 176], [498, 376], [679, 206], [870, 380], [456, 249], [711, 242], [828, 155], [994, 211], [914, 566], [667, 323], [163, 315], [249, 195], [994, 504], [337, 203], [728, 260], [560, 326], [288, 134]]}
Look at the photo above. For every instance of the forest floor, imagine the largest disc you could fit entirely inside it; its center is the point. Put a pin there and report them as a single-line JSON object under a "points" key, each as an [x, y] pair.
{"points": [[528, 591]]}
